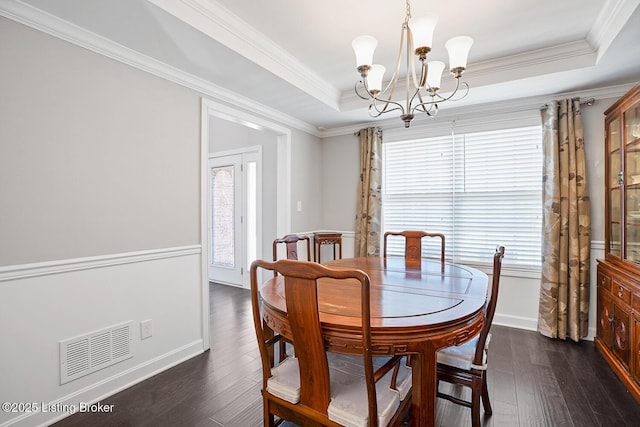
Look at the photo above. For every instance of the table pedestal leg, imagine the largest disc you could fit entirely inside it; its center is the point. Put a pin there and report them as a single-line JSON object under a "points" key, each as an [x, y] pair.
{"points": [[424, 380]]}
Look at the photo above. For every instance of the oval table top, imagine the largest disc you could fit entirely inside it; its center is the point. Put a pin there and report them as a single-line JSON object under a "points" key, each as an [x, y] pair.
{"points": [[402, 296]]}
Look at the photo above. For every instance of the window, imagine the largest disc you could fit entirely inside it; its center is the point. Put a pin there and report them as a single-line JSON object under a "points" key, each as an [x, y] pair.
{"points": [[479, 189]]}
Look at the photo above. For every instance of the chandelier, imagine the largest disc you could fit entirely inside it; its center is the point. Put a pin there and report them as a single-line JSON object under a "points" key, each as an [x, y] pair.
{"points": [[421, 93]]}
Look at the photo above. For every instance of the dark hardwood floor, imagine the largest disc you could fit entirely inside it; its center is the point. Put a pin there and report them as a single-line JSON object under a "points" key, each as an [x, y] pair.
{"points": [[533, 381]]}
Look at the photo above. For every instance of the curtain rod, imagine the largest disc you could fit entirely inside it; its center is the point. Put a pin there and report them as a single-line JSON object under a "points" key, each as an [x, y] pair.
{"points": [[378, 131], [588, 101]]}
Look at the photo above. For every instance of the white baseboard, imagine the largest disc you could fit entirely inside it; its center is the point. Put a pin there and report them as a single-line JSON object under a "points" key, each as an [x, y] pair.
{"points": [[528, 324], [515, 322], [107, 387]]}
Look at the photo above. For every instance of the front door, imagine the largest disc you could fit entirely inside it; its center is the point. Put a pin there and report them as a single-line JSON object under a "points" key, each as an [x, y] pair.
{"points": [[233, 225]]}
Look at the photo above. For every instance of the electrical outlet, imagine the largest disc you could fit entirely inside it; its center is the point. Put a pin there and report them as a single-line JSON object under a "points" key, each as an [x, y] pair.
{"points": [[146, 329]]}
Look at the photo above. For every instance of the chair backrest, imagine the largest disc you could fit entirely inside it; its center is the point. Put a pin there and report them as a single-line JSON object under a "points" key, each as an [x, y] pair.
{"points": [[490, 305], [291, 244], [301, 297], [413, 245]]}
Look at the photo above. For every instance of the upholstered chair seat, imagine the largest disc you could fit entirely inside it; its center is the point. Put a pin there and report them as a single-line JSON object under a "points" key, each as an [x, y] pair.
{"points": [[349, 404], [462, 356]]}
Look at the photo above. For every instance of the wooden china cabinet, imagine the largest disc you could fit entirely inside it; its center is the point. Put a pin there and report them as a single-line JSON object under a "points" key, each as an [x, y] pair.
{"points": [[618, 328]]}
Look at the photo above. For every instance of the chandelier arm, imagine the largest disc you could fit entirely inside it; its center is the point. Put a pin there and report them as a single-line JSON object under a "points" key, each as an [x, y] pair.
{"points": [[433, 104], [378, 113], [394, 78], [355, 89], [412, 71], [424, 69], [442, 98], [450, 97], [421, 106], [385, 109], [419, 96]]}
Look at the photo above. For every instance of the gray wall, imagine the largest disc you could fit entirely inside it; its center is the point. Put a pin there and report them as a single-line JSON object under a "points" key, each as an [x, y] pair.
{"points": [[341, 154], [94, 158], [308, 171], [593, 121]]}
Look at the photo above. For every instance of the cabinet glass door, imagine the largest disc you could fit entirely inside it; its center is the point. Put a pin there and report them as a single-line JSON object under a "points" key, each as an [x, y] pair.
{"points": [[632, 183], [615, 214]]}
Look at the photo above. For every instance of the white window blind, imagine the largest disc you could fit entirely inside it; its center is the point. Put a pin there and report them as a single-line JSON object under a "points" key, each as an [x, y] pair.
{"points": [[478, 189]]}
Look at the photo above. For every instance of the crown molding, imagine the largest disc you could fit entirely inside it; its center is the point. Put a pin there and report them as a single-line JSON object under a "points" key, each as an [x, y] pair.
{"points": [[478, 111], [54, 26], [613, 15], [214, 20], [563, 57]]}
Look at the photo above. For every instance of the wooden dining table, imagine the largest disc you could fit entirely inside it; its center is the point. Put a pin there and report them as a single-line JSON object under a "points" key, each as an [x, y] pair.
{"points": [[416, 309]]}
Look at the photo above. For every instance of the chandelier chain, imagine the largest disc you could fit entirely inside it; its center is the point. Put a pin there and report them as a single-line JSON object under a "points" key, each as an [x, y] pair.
{"points": [[408, 17]]}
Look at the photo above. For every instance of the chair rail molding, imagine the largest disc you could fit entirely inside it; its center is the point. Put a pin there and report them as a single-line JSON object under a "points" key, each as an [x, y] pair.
{"points": [[23, 271]]}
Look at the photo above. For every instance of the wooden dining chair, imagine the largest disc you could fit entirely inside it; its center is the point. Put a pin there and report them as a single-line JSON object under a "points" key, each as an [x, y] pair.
{"points": [[308, 388], [291, 245], [466, 364], [413, 245]]}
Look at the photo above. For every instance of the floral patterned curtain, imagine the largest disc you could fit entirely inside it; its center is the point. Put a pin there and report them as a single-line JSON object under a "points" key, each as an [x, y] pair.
{"points": [[566, 225], [367, 236]]}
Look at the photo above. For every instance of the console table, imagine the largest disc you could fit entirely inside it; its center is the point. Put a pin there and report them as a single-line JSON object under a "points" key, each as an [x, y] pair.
{"points": [[327, 238]]}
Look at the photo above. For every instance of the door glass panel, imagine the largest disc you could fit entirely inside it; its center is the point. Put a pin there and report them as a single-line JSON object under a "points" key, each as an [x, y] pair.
{"points": [[632, 123], [251, 213], [615, 214], [223, 206], [614, 135], [632, 183], [614, 170], [614, 233]]}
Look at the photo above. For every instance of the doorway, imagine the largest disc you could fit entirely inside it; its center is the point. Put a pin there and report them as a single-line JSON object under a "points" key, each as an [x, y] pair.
{"points": [[235, 210], [280, 201]]}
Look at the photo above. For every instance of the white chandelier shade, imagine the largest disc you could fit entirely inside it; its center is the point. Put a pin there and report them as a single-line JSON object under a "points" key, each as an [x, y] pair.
{"points": [[422, 29], [434, 73], [376, 74], [364, 46], [458, 48]]}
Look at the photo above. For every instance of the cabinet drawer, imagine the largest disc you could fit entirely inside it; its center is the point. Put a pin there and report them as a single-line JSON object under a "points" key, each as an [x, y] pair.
{"points": [[621, 292], [636, 306], [604, 281]]}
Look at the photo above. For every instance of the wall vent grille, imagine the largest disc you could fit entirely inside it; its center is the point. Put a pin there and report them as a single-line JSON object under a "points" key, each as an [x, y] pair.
{"points": [[88, 353]]}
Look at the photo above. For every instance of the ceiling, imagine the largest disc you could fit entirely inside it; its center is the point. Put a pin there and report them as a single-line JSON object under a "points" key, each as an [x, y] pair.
{"points": [[296, 57]]}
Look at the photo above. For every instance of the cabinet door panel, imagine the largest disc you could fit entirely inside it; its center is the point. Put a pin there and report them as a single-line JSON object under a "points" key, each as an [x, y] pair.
{"points": [[635, 348], [621, 334], [604, 317]]}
